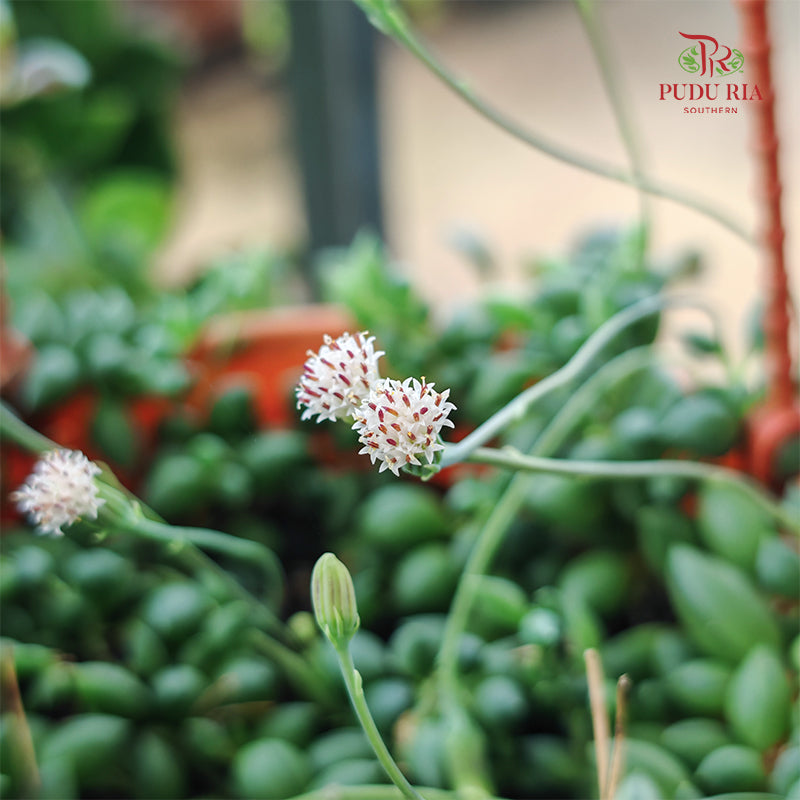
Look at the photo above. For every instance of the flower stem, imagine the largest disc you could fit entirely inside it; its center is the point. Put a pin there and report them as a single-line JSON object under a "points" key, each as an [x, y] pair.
{"points": [[548, 442], [590, 349], [388, 17], [270, 630], [12, 427], [352, 679], [501, 517], [505, 510], [124, 512], [189, 541], [511, 458]]}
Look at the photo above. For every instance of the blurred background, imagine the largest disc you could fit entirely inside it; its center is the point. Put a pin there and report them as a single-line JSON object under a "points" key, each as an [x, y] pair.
{"points": [[293, 125], [445, 170]]}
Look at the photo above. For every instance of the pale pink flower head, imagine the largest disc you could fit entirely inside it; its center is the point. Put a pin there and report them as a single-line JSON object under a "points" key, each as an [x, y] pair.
{"points": [[399, 423], [60, 490], [337, 378]]}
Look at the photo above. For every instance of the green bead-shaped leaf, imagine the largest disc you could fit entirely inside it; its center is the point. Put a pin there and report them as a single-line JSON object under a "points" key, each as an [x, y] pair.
{"points": [[757, 702], [718, 606], [778, 567], [731, 768], [731, 524], [699, 686]]}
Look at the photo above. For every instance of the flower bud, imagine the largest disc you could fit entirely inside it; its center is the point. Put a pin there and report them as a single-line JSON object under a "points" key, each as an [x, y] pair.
{"points": [[334, 599]]}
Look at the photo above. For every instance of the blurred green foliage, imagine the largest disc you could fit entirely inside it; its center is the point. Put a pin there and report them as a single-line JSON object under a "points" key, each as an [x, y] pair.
{"points": [[140, 682], [86, 166]]}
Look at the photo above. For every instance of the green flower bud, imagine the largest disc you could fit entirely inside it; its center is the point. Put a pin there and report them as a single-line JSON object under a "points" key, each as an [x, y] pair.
{"points": [[334, 599]]}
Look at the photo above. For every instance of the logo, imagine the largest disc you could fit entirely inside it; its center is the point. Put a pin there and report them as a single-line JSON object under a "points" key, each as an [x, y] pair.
{"points": [[713, 66], [709, 58]]}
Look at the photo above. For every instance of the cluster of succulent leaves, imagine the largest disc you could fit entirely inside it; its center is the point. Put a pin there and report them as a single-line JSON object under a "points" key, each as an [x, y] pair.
{"points": [[141, 681], [122, 346], [490, 350], [90, 167]]}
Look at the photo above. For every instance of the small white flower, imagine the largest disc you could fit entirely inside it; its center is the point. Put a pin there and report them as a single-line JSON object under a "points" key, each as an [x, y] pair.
{"points": [[59, 491], [400, 421], [339, 377]]}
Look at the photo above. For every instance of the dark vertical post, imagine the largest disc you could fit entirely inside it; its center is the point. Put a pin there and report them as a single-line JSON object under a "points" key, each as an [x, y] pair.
{"points": [[333, 88]]}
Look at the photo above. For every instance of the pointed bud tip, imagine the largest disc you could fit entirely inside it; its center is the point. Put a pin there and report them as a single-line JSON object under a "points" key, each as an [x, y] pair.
{"points": [[333, 597]]}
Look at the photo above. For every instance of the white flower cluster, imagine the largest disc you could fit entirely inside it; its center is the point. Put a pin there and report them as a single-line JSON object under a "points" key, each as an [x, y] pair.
{"points": [[59, 491], [398, 422], [339, 377]]}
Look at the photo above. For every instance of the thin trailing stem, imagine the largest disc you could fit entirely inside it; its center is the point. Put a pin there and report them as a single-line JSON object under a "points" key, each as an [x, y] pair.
{"points": [[627, 130], [591, 348], [584, 398], [388, 17], [506, 509], [12, 427], [500, 519], [355, 689], [121, 511], [510, 458], [188, 542]]}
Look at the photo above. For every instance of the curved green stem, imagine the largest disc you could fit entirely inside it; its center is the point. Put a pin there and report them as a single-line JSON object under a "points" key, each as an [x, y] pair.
{"points": [[548, 442], [352, 679], [588, 13], [500, 519], [510, 458], [194, 541], [12, 427], [122, 511], [584, 398], [591, 348], [388, 18], [186, 542]]}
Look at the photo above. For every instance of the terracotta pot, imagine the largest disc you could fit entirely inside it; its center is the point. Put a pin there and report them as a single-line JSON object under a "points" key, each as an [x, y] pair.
{"points": [[264, 351]]}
